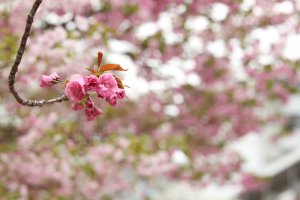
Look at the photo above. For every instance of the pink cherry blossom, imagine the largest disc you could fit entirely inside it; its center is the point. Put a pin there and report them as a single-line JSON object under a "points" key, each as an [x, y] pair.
{"points": [[107, 85], [75, 88], [91, 83]]}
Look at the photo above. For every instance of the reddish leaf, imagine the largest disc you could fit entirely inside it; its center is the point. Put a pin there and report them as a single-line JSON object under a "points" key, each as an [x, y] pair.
{"points": [[120, 84], [100, 56], [108, 67]]}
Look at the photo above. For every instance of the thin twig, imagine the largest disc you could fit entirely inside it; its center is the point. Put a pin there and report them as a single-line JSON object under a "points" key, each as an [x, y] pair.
{"points": [[14, 69]]}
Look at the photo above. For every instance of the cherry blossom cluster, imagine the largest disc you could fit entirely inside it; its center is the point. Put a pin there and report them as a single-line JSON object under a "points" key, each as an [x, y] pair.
{"points": [[79, 88]]}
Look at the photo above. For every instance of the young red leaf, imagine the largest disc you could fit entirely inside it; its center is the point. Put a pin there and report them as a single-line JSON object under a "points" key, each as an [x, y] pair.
{"points": [[108, 67], [120, 83], [100, 56]]}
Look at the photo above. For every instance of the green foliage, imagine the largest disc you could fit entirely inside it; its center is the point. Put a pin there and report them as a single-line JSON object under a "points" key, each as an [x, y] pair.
{"points": [[129, 9], [8, 48], [9, 195]]}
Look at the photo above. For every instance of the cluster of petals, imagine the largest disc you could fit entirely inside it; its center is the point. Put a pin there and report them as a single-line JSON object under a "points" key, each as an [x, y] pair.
{"points": [[106, 87], [49, 80]]}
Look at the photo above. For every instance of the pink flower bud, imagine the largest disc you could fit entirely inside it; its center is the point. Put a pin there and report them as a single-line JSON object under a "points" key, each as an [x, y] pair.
{"points": [[77, 106], [92, 113], [50, 80], [112, 100], [54, 76], [90, 103], [46, 81], [120, 93]]}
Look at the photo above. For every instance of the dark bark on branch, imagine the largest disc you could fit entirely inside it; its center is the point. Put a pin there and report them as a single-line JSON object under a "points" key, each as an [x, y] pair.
{"points": [[14, 69]]}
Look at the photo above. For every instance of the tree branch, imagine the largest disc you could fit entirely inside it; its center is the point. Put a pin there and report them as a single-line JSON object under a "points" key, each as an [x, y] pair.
{"points": [[14, 69]]}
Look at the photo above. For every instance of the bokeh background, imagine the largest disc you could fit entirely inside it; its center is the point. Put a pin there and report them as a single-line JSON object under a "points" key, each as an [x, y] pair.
{"points": [[212, 112]]}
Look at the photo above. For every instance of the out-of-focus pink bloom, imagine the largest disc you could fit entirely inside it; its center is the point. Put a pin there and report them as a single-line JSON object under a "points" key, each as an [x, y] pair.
{"points": [[50, 80], [92, 113], [91, 83], [251, 183], [75, 88], [82, 23]]}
